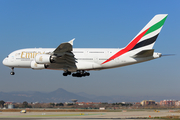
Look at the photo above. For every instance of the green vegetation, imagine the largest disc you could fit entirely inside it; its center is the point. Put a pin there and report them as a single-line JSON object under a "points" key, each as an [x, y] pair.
{"points": [[2, 103], [25, 105], [59, 104]]}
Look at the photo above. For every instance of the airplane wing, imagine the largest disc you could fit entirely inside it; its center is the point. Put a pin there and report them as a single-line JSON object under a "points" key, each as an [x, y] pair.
{"points": [[64, 58]]}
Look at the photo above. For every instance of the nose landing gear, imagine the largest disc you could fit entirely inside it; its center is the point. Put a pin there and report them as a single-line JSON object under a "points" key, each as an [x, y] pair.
{"points": [[12, 71]]}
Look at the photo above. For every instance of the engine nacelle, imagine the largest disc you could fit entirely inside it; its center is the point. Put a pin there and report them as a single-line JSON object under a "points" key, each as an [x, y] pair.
{"points": [[36, 66], [44, 59]]}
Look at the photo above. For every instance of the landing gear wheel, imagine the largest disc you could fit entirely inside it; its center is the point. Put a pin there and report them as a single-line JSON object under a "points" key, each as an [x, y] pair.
{"points": [[69, 73], [74, 75], [81, 74], [64, 74], [87, 74], [12, 73]]}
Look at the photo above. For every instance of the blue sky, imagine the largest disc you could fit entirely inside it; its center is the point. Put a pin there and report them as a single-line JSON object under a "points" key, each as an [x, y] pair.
{"points": [[94, 24]]}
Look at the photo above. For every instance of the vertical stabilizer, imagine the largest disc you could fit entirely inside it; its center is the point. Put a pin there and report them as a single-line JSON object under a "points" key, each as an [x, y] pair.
{"points": [[145, 39], [148, 35]]}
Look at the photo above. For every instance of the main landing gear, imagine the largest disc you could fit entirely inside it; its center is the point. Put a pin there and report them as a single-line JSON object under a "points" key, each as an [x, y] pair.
{"points": [[77, 74], [12, 71], [66, 73], [80, 74]]}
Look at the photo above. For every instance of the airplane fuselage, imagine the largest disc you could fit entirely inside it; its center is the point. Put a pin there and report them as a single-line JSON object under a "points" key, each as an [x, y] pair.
{"points": [[86, 58]]}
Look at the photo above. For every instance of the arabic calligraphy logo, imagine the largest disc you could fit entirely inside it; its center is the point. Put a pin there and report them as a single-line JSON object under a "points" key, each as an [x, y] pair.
{"points": [[35, 64], [40, 59]]}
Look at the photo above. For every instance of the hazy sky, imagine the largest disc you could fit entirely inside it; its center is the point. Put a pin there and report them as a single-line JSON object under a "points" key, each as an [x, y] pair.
{"points": [[94, 24]]}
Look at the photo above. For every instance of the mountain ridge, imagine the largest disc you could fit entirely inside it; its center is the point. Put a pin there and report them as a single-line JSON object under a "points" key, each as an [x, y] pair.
{"points": [[61, 95]]}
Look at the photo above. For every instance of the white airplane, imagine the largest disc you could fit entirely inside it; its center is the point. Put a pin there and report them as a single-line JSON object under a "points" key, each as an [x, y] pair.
{"points": [[80, 60]]}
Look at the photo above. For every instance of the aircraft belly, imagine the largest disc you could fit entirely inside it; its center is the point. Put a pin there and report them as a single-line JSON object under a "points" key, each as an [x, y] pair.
{"points": [[24, 64], [124, 62], [55, 66], [87, 66]]}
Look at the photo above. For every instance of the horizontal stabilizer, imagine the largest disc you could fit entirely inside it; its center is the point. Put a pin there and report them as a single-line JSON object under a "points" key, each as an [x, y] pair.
{"points": [[144, 53]]}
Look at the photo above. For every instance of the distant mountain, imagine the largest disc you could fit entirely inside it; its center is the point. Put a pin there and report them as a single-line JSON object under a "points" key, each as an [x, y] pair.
{"points": [[86, 95], [116, 98], [61, 95]]}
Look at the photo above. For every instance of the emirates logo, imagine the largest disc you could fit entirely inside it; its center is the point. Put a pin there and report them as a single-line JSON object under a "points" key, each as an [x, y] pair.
{"points": [[40, 59], [35, 64]]}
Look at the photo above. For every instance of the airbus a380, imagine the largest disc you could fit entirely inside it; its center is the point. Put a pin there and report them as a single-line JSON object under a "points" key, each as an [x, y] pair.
{"points": [[80, 60]]}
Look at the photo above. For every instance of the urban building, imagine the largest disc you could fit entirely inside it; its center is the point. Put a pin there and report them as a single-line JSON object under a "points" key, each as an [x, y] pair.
{"points": [[167, 102], [177, 103], [148, 102]]}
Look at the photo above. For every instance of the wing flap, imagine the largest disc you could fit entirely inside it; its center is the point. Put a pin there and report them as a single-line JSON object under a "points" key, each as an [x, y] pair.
{"points": [[64, 57]]}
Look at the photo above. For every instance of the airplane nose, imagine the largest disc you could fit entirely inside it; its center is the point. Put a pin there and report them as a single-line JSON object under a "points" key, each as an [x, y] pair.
{"points": [[5, 61]]}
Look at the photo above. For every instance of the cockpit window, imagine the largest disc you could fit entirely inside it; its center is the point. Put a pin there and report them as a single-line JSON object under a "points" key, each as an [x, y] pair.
{"points": [[7, 56]]}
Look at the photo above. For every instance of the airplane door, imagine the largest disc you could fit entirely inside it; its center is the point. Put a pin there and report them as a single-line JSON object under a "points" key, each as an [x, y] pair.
{"points": [[117, 60], [86, 53], [96, 59], [12, 58], [107, 54]]}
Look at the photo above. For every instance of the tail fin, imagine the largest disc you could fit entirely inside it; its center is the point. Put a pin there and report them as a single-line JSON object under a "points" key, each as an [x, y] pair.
{"points": [[145, 39], [148, 35]]}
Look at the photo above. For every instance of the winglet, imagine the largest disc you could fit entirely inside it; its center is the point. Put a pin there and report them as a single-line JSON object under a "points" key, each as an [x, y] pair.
{"points": [[71, 41]]}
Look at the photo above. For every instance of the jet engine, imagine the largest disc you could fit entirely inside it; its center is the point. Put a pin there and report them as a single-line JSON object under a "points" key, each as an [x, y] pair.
{"points": [[44, 59], [36, 66]]}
